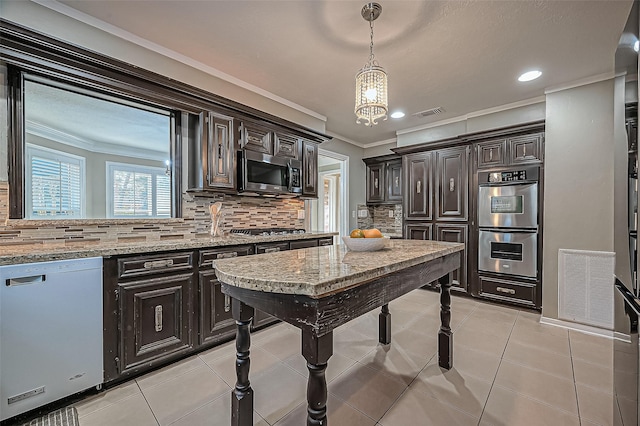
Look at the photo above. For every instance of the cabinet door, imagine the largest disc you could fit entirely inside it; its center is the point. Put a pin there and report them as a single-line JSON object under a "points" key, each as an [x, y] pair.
{"points": [[456, 234], [453, 184], [155, 319], [375, 183], [394, 182], [491, 153], [271, 247], [418, 189], [309, 169], [417, 231], [257, 138], [526, 149], [286, 145], [215, 309], [221, 149]]}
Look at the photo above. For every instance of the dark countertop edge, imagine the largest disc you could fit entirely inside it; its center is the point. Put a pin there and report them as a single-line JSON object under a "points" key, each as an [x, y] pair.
{"points": [[42, 253]]}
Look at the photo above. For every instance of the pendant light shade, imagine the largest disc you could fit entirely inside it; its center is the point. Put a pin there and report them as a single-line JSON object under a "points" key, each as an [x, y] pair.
{"points": [[371, 81]]}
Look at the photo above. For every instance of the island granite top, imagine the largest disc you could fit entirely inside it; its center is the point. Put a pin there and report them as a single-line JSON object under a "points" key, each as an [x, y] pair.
{"points": [[17, 253], [319, 271]]}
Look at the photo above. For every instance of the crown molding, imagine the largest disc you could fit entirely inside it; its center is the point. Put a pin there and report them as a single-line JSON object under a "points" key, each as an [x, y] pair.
{"points": [[581, 82]]}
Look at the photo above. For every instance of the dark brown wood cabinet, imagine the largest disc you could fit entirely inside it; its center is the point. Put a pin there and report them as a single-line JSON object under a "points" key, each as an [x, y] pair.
{"points": [[456, 234], [219, 152], [417, 231], [522, 149], [155, 305], [452, 173], [309, 169], [214, 308], [285, 145], [418, 194], [294, 245], [256, 137], [384, 180]]}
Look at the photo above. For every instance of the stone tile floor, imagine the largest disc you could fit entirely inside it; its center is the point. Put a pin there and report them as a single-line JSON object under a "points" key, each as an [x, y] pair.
{"points": [[508, 370]]}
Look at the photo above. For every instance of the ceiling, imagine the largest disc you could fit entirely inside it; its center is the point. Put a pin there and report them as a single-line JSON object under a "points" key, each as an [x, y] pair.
{"points": [[463, 56]]}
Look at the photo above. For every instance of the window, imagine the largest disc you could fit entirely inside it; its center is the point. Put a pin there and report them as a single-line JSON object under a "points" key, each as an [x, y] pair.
{"points": [[137, 191], [54, 184]]}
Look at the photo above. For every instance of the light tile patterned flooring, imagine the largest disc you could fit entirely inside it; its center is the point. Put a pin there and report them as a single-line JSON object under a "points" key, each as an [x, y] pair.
{"points": [[508, 370]]}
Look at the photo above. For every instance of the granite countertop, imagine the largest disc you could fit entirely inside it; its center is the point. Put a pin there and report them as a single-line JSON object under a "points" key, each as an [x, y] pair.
{"points": [[13, 253], [317, 271]]}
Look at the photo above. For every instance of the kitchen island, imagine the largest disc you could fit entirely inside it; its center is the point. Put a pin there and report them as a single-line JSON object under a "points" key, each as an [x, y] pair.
{"points": [[317, 290]]}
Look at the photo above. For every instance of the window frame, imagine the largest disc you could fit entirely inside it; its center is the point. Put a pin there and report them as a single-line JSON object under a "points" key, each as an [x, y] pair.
{"points": [[17, 134], [111, 167], [52, 154]]}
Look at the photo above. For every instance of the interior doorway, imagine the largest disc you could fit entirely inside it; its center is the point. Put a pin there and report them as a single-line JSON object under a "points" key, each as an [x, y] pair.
{"points": [[330, 212]]}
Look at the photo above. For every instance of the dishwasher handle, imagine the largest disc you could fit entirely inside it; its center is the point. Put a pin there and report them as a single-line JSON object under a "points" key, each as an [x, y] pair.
{"points": [[12, 282]]}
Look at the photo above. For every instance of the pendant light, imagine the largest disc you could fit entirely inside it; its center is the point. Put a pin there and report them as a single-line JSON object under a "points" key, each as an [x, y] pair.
{"points": [[371, 81]]}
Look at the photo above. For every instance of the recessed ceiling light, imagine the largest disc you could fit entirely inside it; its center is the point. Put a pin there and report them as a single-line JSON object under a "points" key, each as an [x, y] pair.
{"points": [[397, 114], [530, 75]]}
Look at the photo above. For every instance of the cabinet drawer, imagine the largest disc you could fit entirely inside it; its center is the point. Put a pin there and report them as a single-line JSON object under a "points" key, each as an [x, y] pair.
{"points": [[293, 245], [149, 265], [510, 291], [271, 247], [325, 242], [286, 146], [207, 257]]}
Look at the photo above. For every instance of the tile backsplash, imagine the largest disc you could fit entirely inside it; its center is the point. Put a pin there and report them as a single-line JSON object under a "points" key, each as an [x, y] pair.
{"points": [[378, 217], [237, 212]]}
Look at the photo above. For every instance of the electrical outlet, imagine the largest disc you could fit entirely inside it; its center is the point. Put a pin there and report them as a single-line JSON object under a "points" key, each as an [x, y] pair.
{"points": [[300, 214], [390, 213], [353, 213], [363, 213]]}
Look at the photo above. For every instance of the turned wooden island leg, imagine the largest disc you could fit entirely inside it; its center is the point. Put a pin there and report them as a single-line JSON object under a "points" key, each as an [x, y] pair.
{"points": [[242, 395], [317, 351], [445, 336], [384, 319]]}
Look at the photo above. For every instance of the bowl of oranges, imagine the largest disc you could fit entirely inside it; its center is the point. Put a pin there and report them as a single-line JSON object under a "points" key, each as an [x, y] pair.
{"points": [[365, 240]]}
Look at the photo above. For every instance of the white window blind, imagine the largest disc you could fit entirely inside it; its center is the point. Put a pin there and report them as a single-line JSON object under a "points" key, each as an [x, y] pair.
{"points": [[54, 184], [137, 191]]}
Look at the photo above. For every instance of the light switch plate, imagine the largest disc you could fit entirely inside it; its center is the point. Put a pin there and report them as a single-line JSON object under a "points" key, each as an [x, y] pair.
{"points": [[300, 214], [363, 213], [390, 213]]}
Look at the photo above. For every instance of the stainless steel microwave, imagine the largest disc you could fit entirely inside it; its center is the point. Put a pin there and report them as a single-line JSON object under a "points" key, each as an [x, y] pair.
{"points": [[268, 174]]}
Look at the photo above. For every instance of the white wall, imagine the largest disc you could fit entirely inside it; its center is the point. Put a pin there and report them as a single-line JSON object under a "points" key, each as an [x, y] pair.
{"points": [[376, 151], [579, 164]]}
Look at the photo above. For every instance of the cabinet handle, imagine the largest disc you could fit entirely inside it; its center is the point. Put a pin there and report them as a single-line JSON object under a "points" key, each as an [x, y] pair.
{"points": [[418, 187], [452, 185], [491, 154], [227, 255], [505, 290], [272, 250], [227, 303], [159, 318], [375, 183], [158, 264], [397, 182]]}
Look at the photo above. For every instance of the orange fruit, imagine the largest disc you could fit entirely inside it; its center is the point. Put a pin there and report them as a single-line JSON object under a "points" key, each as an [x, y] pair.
{"points": [[356, 233], [372, 233]]}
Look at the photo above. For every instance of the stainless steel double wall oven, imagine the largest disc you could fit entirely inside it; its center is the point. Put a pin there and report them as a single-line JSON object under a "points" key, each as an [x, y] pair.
{"points": [[508, 226]]}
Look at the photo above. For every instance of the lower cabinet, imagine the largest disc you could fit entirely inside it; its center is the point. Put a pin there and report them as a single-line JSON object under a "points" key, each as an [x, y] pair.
{"points": [[155, 319], [443, 232], [163, 306]]}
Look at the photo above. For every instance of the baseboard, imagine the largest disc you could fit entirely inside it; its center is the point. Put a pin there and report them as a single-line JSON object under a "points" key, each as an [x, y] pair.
{"points": [[583, 328]]}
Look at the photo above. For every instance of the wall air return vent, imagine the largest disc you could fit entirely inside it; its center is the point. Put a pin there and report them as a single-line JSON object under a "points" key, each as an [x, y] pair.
{"points": [[429, 112]]}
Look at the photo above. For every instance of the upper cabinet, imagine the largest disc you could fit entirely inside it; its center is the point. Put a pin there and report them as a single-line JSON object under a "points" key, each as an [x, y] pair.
{"points": [[256, 138], [418, 202], [309, 169], [220, 149], [524, 149], [452, 183], [384, 180]]}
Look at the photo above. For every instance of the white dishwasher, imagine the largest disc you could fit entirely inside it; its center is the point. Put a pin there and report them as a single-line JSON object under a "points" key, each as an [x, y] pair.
{"points": [[50, 332]]}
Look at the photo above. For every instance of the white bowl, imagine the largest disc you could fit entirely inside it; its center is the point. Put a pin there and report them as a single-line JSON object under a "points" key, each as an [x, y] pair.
{"points": [[365, 244]]}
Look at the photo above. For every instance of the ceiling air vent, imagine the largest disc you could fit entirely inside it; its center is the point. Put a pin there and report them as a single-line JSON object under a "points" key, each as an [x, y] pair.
{"points": [[429, 112]]}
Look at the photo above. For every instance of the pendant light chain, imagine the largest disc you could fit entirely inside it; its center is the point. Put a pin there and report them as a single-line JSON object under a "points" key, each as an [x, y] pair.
{"points": [[371, 57]]}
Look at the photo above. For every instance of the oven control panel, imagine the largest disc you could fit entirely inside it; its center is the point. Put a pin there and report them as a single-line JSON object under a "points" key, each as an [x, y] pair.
{"points": [[510, 176]]}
